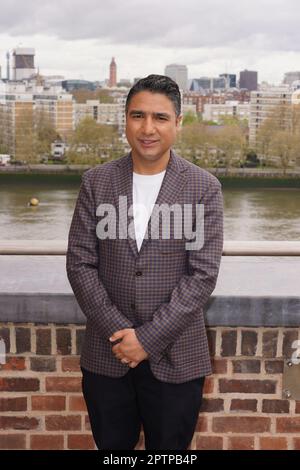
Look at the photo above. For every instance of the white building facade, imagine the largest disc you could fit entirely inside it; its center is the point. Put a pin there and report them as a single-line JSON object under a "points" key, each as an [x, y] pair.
{"points": [[217, 112], [263, 104]]}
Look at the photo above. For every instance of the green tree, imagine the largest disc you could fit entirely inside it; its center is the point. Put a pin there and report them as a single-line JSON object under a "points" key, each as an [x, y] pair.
{"points": [[189, 118], [3, 128], [265, 136], [279, 135], [44, 133], [94, 143], [213, 145], [231, 144], [82, 95], [25, 136], [285, 145]]}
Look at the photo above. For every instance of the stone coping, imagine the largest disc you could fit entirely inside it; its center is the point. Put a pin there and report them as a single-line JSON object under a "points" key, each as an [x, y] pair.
{"points": [[231, 311]]}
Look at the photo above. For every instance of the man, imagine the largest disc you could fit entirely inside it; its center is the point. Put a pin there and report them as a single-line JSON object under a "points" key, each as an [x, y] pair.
{"points": [[141, 286]]}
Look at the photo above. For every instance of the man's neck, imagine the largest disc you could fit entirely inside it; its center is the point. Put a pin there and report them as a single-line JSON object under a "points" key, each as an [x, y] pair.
{"points": [[150, 167]]}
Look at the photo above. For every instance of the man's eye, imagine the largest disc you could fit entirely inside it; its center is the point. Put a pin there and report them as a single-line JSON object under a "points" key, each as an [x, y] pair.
{"points": [[162, 118], [136, 115]]}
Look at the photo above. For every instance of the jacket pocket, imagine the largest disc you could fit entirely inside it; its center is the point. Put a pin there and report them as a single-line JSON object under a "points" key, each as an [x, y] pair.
{"points": [[171, 246]]}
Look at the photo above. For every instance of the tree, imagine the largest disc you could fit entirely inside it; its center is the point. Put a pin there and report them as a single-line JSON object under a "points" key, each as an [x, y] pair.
{"points": [[93, 143], [231, 143], [82, 95], [192, 141], [264, 137], [34, 133], [4, 148], [25, 148], [189, 118], [45, 133], [279, 135], [213, 145], [285, 145]]}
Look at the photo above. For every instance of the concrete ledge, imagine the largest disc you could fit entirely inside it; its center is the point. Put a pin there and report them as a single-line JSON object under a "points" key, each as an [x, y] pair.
{"points": [[40, 308], [220, 310], [253, 311]]}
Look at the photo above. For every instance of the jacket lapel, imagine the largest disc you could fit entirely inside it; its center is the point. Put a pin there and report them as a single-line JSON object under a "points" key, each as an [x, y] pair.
{"points": [[122, 186], [172, 185]]}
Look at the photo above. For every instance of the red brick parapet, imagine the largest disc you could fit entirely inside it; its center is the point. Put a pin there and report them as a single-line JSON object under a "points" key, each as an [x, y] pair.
{"points": [[41, 405]]}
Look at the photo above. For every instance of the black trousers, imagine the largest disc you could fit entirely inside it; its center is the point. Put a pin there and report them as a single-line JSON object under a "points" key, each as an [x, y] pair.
{"points": [[118, 407]]}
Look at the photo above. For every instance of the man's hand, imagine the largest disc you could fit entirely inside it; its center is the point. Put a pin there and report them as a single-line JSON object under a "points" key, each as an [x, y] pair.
{"points": [[129, 350]]}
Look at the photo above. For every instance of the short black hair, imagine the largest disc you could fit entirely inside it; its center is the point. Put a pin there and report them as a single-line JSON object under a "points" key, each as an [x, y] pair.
{"points": [[157, 84]]}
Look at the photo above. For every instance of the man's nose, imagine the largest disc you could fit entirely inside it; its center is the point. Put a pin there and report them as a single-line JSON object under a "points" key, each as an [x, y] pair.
{"points": [[148, 125]]}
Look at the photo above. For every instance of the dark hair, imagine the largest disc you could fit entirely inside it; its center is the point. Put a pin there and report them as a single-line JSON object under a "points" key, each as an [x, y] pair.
{"points": [[157, 84]]}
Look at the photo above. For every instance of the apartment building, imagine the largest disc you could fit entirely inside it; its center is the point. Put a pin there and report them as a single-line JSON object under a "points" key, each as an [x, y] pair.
{"points": [[102, 113], [263, 104], [21, 104], [199, 100], [230, 109]]}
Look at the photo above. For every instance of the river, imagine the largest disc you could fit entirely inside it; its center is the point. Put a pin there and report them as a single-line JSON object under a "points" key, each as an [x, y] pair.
{"points": [[250, 213]]}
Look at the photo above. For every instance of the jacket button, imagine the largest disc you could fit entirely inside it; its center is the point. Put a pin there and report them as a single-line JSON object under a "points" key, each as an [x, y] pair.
{"points": [[138, 273], [132, 306]]}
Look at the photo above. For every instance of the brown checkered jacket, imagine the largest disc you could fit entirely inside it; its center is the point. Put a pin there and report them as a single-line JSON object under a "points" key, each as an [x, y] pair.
{"points": [[160, 290]]}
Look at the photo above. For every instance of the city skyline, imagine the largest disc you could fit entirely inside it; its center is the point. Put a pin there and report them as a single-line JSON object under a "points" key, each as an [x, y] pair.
{"points": [[146, 36]]}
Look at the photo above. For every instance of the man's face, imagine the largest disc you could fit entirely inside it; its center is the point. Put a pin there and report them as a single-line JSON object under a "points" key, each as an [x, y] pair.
{"points": [[151, 125]]}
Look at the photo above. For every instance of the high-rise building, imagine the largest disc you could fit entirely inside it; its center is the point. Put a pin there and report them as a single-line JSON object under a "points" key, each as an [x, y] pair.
{"points": [[208, 84], [112, 82], [248, 80], [230, 79], [23, 63], [263, 104], [291, 77], [178, 73]]}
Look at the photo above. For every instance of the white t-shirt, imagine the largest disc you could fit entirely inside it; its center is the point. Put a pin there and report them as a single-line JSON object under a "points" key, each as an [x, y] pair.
{"points": [[145, 191]]}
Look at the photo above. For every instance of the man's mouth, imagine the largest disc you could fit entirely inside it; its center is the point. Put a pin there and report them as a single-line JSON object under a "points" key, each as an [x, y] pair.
{"points": [[148, 142]]}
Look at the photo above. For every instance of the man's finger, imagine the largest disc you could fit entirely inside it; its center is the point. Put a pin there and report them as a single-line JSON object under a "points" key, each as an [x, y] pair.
{"points": [[125, 361], [133, 364], [117, 335]]}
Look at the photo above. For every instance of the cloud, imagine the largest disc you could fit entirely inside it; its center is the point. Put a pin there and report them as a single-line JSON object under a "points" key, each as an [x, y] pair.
{"points": [[267, 24], [77, 38]]}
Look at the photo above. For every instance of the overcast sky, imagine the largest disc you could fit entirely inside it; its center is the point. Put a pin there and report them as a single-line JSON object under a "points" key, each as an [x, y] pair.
{"points": [[77, 38]]}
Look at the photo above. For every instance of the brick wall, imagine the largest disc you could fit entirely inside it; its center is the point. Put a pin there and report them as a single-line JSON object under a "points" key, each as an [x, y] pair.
{"points": [[41, 405]]}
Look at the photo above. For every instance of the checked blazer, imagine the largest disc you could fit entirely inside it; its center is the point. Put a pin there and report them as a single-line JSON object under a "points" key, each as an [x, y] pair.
{"points": [[161, 290]]}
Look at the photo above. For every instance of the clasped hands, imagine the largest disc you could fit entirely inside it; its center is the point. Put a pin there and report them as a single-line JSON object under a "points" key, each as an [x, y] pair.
{"points": [[129, 350]]}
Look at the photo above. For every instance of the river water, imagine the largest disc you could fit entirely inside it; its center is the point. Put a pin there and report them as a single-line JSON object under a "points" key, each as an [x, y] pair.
{"points": [[250, 213]]}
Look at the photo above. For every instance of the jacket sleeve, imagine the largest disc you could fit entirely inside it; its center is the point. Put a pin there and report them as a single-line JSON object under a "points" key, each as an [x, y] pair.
{"points": [[82, 264], [194, 289]]}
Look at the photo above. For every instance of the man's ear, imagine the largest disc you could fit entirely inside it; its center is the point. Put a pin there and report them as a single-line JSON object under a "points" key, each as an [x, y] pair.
{"points": [[179, 122]]}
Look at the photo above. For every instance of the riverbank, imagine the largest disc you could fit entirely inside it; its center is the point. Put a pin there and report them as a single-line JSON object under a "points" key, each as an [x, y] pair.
{"points": [[71, 174]]}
